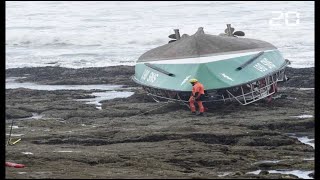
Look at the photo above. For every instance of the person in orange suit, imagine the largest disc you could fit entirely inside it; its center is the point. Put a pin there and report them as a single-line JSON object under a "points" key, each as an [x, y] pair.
{"points": [[196, 96]]}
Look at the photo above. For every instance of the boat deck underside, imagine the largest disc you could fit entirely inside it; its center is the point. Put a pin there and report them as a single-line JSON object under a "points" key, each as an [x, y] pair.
{"points": [[243, 94]]}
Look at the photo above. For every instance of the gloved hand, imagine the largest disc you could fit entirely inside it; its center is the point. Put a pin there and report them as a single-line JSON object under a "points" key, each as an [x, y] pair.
{"points": [[191, 98]]}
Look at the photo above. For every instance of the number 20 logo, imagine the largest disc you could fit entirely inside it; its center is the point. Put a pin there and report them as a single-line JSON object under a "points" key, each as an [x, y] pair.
{"points": [[286, 16]]}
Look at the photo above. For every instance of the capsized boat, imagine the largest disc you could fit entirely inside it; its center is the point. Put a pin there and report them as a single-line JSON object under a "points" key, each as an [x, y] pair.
{"points": [[230, 67]]}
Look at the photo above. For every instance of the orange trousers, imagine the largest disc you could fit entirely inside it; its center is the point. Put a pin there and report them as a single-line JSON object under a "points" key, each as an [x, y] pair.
{"points": [[193, 107]]}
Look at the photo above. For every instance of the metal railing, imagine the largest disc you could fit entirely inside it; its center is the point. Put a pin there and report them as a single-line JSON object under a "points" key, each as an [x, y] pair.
{"points": [[244, 94], [255, 93]]}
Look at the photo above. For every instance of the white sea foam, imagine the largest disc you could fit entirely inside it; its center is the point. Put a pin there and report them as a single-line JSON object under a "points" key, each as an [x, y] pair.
{"points": [[303, 116], [80, 34], [34, 116], [306, 140], [267, 161], [27, 153], [254, 172], [15, 135], [306, 89], [298, 173], [224, 174], [63, 151], [66, 151]]}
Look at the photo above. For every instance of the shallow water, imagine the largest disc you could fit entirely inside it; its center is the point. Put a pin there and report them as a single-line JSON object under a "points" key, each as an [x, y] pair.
{"points": [[15, 135], [303, 116], [306, 140], [305, 89], [298, 173], [66, 151], [268, 161], [12, 84], [105, 96], [34, 116], [309, 159], [254, 172], [302, 138], [224, 174], [27, 153]]}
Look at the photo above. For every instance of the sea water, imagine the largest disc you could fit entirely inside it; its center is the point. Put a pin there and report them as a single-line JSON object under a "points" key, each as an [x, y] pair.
{"points": [[109, 91], [300, 174], [79, 34]]}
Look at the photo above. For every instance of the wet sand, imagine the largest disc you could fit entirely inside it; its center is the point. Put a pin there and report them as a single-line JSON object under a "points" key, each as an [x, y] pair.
{"points": [[135, 137]]}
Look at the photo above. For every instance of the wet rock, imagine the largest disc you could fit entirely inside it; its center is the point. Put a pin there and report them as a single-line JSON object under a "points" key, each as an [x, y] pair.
{"points": [[311, 175], [264, 172], [238, 173], [17, 113], [58, 75], [136, 137], [289, 176], [300, 77], [48, 123]]}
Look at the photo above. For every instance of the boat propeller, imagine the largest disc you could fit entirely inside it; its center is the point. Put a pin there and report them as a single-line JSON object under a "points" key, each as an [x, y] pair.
{"points": [[229, 31], [175, 36], [238, 33], [173, 40]]}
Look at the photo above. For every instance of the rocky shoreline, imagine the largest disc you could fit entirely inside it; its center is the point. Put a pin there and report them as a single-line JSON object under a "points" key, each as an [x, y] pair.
{"points": [[135, 137]]}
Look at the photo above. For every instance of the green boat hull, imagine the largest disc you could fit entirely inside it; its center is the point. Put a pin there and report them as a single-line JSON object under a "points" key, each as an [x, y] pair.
{"points": [[214, 72]]}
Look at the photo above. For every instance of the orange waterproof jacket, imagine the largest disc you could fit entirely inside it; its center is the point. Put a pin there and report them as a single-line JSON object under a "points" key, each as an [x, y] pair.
{"points": [[197, 88]]}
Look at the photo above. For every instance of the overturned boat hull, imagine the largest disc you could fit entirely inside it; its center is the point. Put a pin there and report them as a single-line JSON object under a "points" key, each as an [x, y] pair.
{"points": [[223, 78], [246, 74]]}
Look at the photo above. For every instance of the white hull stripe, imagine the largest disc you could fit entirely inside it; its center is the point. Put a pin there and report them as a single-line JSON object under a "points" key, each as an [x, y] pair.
{"points": [[200, 60]]}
